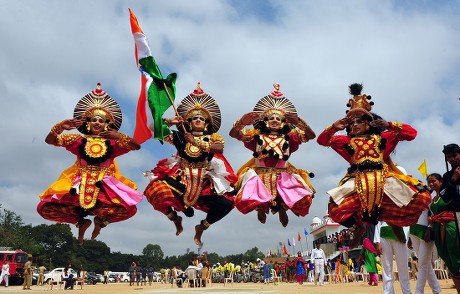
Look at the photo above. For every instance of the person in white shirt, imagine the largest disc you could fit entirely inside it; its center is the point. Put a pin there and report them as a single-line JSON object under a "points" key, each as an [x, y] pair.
{"points": [[319, 258], [5, 273], [388, 245], [420, 241]]}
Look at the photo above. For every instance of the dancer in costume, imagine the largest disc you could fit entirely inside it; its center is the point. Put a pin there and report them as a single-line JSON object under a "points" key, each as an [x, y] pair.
{"points": [[269, 181], [373, 188], [93, 185], [199, 176]]}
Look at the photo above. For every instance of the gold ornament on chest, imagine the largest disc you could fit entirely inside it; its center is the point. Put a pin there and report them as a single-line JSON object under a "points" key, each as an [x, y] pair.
{"points": [[192, 150], [95, 147]]}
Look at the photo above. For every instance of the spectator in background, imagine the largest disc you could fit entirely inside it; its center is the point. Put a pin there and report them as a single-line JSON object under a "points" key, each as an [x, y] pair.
{"points": [[132, 273], [41, 275], [300, 270], [5, 272], [106, 276], [150, 274], [27, 273], [139, 271]]}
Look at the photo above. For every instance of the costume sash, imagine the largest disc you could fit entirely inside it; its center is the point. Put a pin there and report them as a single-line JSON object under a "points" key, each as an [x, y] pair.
{"points": [[369, 185], [194, 183], [88, 189]]}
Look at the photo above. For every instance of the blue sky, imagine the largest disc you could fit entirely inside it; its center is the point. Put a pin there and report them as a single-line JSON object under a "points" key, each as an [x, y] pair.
{"points": [[54, 52]]}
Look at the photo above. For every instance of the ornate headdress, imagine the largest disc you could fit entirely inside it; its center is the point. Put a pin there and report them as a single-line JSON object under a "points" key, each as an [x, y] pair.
{"points": [[274, 103], [198, 102], [359, 102], [98, 102]]}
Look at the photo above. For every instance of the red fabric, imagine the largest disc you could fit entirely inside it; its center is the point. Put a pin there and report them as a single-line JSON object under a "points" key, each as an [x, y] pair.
{"points": [[367, 244], [393, 136], [389, 211]]}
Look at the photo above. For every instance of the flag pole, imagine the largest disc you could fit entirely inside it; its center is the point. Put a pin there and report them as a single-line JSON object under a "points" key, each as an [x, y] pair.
{"points": [[174, 106]]}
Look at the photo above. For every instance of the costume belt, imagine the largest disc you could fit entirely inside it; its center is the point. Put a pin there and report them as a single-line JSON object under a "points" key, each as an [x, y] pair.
{"points": [[265, 170], [185, 164]]}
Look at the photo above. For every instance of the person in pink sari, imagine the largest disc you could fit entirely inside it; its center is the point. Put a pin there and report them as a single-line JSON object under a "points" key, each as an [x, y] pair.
{"points": [[93, 185], [269, 181]]}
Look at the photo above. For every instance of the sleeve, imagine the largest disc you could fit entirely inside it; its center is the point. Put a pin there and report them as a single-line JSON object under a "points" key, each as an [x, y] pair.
{"points": [[397, 132], [377, 232], [337, 142]]}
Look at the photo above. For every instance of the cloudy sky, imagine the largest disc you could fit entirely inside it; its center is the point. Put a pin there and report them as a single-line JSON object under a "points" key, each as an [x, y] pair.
{"points": [[53, 52]]}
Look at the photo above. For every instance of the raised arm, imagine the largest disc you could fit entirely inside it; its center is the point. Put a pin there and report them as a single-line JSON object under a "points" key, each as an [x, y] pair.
{"points": [[57, 129]]}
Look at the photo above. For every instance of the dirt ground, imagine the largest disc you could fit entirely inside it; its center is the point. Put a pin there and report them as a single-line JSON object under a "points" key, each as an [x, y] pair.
{"points": [[240, 288]]}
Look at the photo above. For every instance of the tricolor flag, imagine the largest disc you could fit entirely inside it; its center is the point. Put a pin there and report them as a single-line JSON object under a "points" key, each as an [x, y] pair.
{"points": [[423, 169], [298, 236], [157, 94]]}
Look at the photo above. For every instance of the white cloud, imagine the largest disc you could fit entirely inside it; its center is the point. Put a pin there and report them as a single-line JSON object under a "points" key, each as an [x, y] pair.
{"points": [[54, 52]]}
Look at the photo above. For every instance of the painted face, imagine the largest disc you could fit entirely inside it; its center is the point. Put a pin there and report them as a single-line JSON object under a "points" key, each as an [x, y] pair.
{"points": [[198, 123], [97, 124], [274, 122], [434, 183], [359, 126], [453, 159]]}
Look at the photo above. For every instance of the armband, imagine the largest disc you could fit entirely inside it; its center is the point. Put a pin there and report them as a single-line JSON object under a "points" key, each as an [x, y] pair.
{"points": [[124, 141], [57, 129]]}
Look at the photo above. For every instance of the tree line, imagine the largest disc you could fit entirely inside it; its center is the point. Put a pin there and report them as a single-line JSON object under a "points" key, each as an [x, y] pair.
{"points": [[55, 246]]}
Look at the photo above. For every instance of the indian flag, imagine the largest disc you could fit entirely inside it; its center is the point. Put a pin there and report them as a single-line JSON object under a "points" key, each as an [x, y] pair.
{"points": [[157, 94]]}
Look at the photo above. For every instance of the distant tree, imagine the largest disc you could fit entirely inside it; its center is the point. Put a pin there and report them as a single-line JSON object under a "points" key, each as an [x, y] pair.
{"points": [[97, 255], [54, 241], [152, 255]]}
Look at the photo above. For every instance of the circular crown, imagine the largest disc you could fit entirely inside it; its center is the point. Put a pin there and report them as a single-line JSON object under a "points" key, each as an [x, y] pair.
{"points": [[275, 102], [198, 102], [98, 102]]}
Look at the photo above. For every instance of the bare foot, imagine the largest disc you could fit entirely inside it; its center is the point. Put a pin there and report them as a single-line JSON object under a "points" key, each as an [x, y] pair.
{"points": [[178, 223], [199, 229], [261, 216], [284, 220], [96, 231], [82, 229], [357, 234]]}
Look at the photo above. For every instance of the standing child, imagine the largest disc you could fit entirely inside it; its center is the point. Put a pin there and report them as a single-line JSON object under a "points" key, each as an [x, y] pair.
{"points": [[367, 254]]}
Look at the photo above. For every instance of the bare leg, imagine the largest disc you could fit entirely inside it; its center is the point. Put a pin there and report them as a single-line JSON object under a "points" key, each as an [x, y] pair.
{"points": [[199, 229], [98, 225], [177, 220], [261, 215], [82, 225], [284, 220]]}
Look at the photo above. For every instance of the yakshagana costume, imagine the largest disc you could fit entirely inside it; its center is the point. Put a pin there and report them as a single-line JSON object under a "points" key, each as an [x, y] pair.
{"points": [[93, 185], [195, 177], [269, 181], [373, 188]]}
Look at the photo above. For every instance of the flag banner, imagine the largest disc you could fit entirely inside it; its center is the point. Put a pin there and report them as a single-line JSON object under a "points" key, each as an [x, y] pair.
{"points": [[157, 94], [423, 169], [298, 236], [289, 243], [305, 232], [285, 249], [293, 241]]}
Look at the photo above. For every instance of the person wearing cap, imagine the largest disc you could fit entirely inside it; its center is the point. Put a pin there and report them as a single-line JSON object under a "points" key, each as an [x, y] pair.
{"points": [[268, 181], [93, 185], [373, 188], [450, 194], [198, 176]]}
